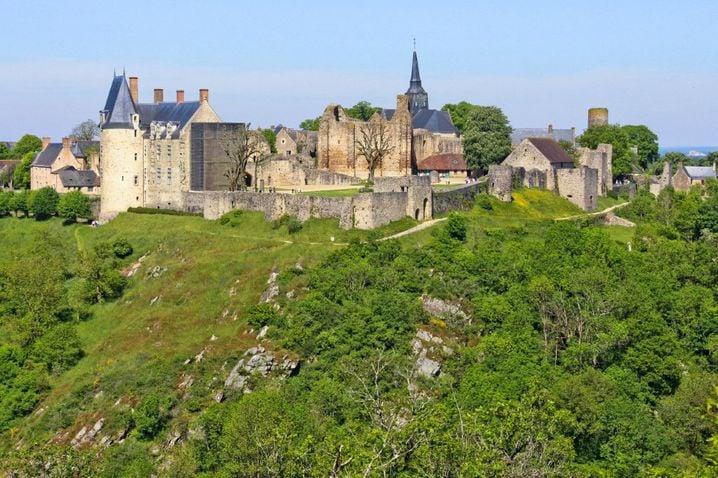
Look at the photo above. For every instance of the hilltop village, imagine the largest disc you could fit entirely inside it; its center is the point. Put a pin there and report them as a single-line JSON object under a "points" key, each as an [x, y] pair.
{"points": [[180, 155]]}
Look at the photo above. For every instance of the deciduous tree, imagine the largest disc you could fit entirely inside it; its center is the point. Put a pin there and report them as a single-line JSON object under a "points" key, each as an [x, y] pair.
{"points": [[239, 144], [373, 143], [85, 131]]}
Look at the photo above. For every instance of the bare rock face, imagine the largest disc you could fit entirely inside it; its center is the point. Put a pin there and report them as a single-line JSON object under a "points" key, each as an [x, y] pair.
{"points": [[155, 272], [272, 291], [427, 367], [428, 349], [258, 361], [444, 310], [86, 435]]}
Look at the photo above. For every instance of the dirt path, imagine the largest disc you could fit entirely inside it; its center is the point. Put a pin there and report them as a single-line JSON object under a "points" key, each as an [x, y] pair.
{"points": [[589, 214], [420, 227]]}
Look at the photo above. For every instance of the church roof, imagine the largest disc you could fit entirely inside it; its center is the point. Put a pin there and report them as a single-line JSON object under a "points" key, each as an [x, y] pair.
{"points": [[436, 121], [415, 82], [119, 105], [551, 150], [443, 162], [47, 156], [520, 134]]}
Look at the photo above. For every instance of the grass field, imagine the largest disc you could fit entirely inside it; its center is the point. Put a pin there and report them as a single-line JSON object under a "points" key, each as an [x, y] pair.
{"points": [[332, 193]]}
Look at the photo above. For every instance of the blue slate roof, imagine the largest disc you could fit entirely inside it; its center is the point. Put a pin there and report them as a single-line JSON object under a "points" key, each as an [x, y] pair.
{"points": [[73, 178], [436, 121], [176, 112], [80, 149], [119, 105], [520, 134], [415, 81], [45, 158], [700, 172]]}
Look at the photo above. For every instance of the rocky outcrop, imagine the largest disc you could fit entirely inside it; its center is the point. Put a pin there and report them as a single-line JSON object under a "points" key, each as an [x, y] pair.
{"points": [[258, 361], [428, 350], [447, 311]]}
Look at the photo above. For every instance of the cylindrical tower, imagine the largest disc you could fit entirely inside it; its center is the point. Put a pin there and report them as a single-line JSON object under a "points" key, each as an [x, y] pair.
{"points": [[597, 117]]}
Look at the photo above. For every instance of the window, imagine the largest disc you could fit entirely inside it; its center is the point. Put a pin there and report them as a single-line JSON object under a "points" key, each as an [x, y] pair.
{"points": [[135, 156], [283, 141], [136, 180]]}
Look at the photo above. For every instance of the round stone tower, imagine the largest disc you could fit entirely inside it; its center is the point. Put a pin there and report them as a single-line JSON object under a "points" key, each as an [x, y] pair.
{"points": [[597, 117]]}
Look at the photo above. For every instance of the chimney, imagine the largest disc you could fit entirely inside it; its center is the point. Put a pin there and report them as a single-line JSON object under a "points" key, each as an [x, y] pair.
{"points": [[203, 95], [134, 89], [159, 95], [180, 96], [65, 143], [45, 141]]}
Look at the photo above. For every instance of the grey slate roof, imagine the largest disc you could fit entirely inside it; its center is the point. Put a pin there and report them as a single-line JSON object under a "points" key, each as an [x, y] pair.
{"points": [[176, 112], [415, 82], [435, 121], [700, 172], [520, 134], [119, 105], [72, 178], [45, 158], [80, 149]]}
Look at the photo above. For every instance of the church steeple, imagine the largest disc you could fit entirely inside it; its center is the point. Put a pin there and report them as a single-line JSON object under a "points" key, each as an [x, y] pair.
{"points": [[418, 98]]}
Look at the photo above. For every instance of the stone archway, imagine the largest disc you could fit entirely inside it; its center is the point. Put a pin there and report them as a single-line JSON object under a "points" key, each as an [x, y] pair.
{"points": [[416, 214], [426, 206]]}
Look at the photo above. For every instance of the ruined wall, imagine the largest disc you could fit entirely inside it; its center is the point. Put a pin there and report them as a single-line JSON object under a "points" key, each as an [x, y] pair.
{"points": [[600, 159], [579, 185], [337, 142], [459, 199], [658, 183], [363, 211], [418, 189], [500, 181], [286, 145], [426, 143], [681, 181]]}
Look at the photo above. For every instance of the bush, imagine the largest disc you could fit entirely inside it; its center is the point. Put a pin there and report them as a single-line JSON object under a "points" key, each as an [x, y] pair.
{"points": [[261, 315], [5, 200], [19, 202], [456, 227], [148, 418], [121, 248], [231, 218], [44, 202], [294, 225], [73, 205], [59, 349], [484, 201]]}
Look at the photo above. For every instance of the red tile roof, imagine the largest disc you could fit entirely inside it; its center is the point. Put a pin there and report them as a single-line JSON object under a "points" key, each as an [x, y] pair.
{"points": [[443, 162]]}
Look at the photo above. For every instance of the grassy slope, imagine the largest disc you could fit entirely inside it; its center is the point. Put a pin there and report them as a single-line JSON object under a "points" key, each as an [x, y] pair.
{"points": [[213, 274]]}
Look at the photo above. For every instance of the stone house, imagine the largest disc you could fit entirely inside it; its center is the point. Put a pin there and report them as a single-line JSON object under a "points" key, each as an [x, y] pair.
{"points": [[293, 142], [687, 176], [542, 163], [145, 147], [70, 165]]}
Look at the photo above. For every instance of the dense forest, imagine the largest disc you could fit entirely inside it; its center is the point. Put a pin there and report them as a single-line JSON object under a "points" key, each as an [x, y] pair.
{"points": [[553, 350]]}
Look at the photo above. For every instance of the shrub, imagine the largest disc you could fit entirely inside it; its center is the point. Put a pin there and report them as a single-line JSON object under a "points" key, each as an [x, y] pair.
{"points": [[5, 200], [148, 418], [294, 225], [231, 218], [168, 212], [59, 349], [44, 202], [121, 248], [19, 202], [73, 205], [484, 201], [261, 315], [456, 227]]}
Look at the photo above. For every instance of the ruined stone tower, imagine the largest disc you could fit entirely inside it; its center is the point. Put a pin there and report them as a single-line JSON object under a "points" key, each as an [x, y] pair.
{"points": [[597, 117]]}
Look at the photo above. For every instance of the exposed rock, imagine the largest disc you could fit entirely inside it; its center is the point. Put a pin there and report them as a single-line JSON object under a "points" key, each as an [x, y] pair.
{"points": [[132, 270], [219, 396], [258, 361], [213, 338], [298, 267], [86, 435], [443, 310], [155, 272], [272, 290], [173, 439], [263, 332], [290, 294], [200, 356], [155, 299], [186, 382], [427, 367]]}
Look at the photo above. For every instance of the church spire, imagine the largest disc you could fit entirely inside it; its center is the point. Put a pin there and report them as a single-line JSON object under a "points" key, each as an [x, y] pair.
{"points": [[418, 98]]}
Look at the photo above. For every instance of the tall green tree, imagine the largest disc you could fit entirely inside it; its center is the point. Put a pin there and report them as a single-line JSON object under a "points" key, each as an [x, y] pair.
{"points": [[21, 176], [73, 205], [44, 202], [645, 143], [363, 110], [635, 147], [271, 138], [310, 124], [486, 131], [28, 143]]}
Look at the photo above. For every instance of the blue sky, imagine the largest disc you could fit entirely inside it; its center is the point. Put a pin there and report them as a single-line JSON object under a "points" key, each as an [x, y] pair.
{"points": [[649, 62]]}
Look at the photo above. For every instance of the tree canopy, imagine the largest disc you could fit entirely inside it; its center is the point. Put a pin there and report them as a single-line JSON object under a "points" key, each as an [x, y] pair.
{"points": [[363, 110], [486, 131], [85, 131], [310, 124], [27, 144], [634, 147]]}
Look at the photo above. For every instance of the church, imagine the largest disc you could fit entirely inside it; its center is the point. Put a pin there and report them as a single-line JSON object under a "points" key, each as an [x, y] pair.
{"points": [[419, 136]]}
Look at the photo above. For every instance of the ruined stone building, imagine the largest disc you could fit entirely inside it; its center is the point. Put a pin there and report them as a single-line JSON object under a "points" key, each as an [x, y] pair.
{"points": [[542, 163], [416, 133], [67, 166], [293, 142], [145, 147]]}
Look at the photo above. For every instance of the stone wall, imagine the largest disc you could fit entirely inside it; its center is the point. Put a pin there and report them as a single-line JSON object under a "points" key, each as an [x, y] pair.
{"points": [[459, 199], [363, 211], [338, 136], [426, 144], [500, 181], [681, 181], [579, 185], [418, 191], [600, 159], [528, 157]]}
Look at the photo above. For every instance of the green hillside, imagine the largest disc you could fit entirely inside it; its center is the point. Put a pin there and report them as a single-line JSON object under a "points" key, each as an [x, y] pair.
{"points": [[497, 343]]}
